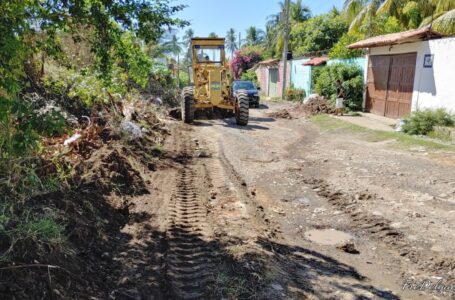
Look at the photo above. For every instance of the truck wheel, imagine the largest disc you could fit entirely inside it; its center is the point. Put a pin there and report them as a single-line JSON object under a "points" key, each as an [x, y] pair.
{"points": [[187, 105], [242, 109]]}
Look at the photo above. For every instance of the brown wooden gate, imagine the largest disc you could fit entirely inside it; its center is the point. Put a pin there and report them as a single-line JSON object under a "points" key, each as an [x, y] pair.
{"points": [[390, 83]]}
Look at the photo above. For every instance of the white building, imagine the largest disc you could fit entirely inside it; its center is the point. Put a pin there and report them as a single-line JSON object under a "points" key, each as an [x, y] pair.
{"points": [[407, 71]]}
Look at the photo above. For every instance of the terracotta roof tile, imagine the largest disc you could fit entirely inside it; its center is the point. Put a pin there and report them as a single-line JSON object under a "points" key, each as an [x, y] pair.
{"points": [[316, 61], [398, 38]]}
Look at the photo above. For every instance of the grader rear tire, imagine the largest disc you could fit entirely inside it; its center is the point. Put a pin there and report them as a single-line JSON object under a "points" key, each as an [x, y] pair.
{"points": [[188, 105], [242, 110]]}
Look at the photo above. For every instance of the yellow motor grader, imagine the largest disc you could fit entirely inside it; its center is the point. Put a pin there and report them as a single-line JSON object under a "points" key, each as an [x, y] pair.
{"points": [[211, 87]]}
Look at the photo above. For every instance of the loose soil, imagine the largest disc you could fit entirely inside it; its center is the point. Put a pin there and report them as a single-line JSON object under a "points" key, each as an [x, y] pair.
{"points": [[279, 209]]}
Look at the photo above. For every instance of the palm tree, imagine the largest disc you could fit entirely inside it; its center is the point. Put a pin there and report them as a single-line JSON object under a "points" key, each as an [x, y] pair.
{"points": [[411, 14], [254, 36], [299, 12], [231, 41], [275, 24], [174, 46], [189, 34]]}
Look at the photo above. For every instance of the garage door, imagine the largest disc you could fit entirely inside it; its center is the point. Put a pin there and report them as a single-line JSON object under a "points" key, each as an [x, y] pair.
{"points": [[390, 84]]}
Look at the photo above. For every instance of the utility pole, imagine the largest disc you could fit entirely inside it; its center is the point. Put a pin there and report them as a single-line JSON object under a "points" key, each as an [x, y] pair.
{"points": [[240, 40], [178, 70], [285, 48]]}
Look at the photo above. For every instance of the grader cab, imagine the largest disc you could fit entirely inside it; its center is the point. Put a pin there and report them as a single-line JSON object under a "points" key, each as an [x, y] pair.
{"points": [[211, 87]]}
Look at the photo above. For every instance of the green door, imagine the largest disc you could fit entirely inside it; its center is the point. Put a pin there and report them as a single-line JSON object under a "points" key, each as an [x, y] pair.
{"points": [[273, 80]]}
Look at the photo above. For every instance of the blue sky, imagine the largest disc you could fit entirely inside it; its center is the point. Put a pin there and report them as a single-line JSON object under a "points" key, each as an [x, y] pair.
{"points": [[219, 15]]}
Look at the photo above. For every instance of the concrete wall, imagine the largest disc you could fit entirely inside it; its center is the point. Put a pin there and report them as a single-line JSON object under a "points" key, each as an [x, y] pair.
{"points": [[263, 78], [301, 75], [433, 87], [279, 86]]}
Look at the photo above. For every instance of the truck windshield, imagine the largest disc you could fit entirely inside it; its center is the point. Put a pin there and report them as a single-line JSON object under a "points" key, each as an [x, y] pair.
{"points": [[208, 54], [244, 85]]}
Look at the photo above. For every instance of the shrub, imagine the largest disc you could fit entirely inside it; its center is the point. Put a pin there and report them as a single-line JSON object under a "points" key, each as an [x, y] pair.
{"points": [[251, 76], [423, 121], [351, 77], [293, 94]]}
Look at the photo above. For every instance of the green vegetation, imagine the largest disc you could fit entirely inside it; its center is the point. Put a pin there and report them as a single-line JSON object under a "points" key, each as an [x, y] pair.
{"points": [[250, 75], [294, 94], [319, 33], [407, 14], [400, 140], [340, 50], [351, 77], [423, 121], [58, 61], [31, 233]]}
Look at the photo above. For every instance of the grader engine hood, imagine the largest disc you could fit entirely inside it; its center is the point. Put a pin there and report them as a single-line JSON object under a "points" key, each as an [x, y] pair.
{"points": [[215, 86], [210, 73]]}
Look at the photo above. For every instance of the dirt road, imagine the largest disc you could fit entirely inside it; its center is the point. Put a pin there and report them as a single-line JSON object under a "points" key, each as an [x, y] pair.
{"points": [[284, 209]]}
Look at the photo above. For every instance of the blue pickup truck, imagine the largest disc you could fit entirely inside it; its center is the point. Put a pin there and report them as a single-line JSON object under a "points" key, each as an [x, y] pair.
{"points": [[249, 88]]}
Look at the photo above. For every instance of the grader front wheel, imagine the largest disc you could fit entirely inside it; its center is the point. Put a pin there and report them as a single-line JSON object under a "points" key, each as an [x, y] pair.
{"points": [[187, 105], [242, 109]]}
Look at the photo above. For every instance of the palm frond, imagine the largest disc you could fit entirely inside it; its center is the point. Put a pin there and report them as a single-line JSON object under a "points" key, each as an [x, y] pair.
{"points": [[357, 21], [352, 8], [391, 7], [444, 5], [446, 23], [428, 20]]}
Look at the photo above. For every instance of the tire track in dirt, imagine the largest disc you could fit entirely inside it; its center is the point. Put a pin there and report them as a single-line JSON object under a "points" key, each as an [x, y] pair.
{"points": [[378, 227], [190, 258]]}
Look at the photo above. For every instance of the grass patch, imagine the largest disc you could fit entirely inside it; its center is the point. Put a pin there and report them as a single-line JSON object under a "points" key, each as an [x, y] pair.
{"points": [[28, 233], [230, 287], [402, 140]]}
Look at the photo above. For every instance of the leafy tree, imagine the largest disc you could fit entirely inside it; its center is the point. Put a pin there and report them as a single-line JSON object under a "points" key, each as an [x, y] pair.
{"points": [[213, 35], [30, 26], [133, 59], [340, 49], [317, 34], [231, 41]]}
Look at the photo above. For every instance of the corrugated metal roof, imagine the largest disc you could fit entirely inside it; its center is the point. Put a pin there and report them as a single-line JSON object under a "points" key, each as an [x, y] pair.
{"points": [[316, 61], [424, 33]]}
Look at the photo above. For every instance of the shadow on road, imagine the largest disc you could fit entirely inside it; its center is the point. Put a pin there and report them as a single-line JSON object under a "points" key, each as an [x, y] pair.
{"points": [[253, 123]]}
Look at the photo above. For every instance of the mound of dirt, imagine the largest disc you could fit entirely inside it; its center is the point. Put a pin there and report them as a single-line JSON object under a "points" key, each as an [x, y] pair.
{"points": [[315, 106], [281, 114], [110, 171]]}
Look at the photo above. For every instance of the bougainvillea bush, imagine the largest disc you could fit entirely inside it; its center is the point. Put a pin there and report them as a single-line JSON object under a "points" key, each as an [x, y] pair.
{"points": [[244, 60]]}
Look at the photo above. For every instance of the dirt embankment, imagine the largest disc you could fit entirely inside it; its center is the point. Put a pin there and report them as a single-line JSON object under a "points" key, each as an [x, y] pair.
{"points": [[110, 169]]}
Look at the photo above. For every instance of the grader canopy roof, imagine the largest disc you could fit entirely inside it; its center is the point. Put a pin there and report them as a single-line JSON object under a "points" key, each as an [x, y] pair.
{"points": [[208, 50]]}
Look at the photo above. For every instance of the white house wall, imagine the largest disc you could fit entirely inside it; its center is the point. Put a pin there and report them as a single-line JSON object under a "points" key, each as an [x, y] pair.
{"points": [[433, 87]]}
